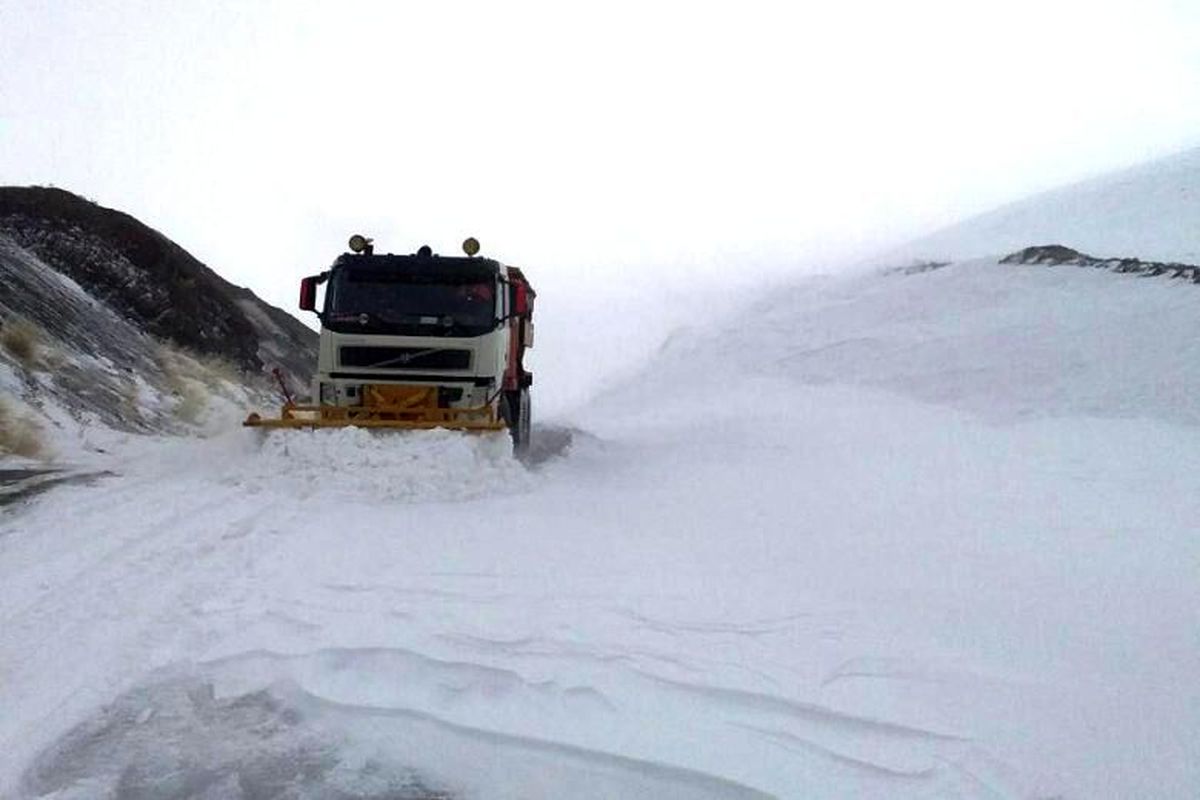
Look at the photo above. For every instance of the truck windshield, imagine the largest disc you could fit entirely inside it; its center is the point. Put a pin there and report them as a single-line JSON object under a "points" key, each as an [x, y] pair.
{"points": [[398, 303]]}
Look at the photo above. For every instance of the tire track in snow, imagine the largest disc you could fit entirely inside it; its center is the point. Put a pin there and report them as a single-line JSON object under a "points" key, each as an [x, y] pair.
{"points": [[110, 600]]}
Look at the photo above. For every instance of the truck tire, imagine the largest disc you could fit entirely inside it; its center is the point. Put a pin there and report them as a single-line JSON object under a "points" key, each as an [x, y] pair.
{"points": [[515, 408], [524, 425]]}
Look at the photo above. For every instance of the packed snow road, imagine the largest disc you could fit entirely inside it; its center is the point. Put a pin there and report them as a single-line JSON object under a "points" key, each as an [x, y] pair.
{"points": [[823, 553]]}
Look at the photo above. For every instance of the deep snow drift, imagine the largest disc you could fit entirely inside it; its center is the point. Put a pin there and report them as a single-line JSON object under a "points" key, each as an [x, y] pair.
{"points": [[925, 535]]}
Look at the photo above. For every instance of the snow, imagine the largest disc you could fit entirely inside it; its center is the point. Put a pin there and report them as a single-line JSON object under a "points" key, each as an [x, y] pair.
{"points": [[1148, 211], [886, 536]]}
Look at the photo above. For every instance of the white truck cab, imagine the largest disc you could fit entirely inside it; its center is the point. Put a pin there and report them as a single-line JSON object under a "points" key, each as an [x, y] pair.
{"points": [[419, 341]]}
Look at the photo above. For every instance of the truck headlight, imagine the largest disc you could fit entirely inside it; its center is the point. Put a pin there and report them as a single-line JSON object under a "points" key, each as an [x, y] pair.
{"points": [[328, 394]]}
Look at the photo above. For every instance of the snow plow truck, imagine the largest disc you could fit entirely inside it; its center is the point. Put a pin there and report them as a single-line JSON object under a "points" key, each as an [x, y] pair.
{"points": [[418, 341]]}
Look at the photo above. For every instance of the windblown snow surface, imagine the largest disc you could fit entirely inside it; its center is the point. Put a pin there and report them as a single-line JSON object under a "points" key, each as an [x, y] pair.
{"points": [[888, 536], [1149, 211]]}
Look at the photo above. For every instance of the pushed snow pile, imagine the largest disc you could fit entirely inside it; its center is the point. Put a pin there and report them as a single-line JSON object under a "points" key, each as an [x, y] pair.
{"points": [[412, 466]]}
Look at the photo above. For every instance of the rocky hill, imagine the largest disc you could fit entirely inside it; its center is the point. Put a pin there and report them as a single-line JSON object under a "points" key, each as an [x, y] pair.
{"points": [[105, 320]]}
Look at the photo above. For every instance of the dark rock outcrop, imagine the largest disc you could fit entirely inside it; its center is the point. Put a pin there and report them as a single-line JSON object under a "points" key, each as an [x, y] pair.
{"points": [[916, 267], [1057, 254]]}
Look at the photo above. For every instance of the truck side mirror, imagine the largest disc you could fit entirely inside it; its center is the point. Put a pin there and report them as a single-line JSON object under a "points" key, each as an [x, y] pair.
{"points": [[308, 294]]}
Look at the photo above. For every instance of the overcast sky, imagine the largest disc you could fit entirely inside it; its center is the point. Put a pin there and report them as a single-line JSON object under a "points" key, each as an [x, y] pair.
{"points": [[581, 140]]}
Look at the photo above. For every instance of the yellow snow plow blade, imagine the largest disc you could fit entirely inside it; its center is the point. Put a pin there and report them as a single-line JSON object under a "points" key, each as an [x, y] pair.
{"points": [[385, 406]]}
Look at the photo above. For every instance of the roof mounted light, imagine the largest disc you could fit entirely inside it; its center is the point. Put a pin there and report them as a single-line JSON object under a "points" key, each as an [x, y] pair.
{"points": [[361, 244], [471, 246]]}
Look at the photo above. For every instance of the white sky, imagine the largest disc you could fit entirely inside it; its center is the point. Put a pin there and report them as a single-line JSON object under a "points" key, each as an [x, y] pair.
{"points": [[581, 141]]}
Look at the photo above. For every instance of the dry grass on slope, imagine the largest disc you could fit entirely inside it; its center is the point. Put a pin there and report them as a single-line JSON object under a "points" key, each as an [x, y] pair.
{"points": [[21, 339], [195, 379], [19, 435]]}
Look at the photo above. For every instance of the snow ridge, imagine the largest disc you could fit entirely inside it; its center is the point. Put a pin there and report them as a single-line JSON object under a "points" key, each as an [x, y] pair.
{"points": [[1148, 211]]}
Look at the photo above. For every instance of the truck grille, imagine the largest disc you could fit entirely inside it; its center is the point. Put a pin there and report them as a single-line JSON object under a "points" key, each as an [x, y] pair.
{"points": [[404, 358]]}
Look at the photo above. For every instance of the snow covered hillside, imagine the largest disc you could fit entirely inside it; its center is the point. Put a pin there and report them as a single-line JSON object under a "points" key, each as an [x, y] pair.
{"points": [[74, 373], [1150, 211], [899, 535], [141, 277], [109, 328]]}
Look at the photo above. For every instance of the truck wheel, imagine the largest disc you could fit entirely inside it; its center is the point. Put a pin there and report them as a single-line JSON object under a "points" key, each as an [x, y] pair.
{"points": [[524, 435], [515, 408]]}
